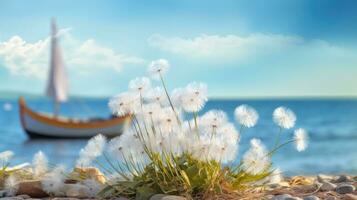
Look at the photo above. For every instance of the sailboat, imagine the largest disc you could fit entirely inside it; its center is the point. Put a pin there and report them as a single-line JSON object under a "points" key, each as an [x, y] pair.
{"points": [[42, 125]]}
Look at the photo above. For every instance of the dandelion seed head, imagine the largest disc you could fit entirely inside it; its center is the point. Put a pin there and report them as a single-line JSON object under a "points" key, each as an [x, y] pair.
{"points": [[53, 182], [5, 156], [11, 185], [140, 85], [92, 150], [284, 117], [246, 115], [93, 187], [301, 139], [124, 103], [256, 160], [157, 95], [40, 164], [158, 68], [194, 97], [213, 119]]}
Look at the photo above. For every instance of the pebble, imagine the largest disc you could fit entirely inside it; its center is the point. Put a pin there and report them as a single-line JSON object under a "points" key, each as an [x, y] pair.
{"points": [[76, 190], [330, 198], [166, 197], [327, 186], [293, 198], [311, 197], [322, 177], [342, 179], [281, 197], [345, 188], [350, 197]]}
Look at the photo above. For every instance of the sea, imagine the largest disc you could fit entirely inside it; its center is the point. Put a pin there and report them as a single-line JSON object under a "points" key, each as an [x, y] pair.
{"points": [[331, 124]]}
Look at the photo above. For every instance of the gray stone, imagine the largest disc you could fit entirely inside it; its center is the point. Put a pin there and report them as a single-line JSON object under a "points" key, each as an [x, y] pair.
{"points": [[342, 179], [281, 197], [311, 197], [121, 198], [327, 186], [330, 198], [11, 198], [293, 198], [345, 188], [166, 197], [322, 177], [24, 196]]}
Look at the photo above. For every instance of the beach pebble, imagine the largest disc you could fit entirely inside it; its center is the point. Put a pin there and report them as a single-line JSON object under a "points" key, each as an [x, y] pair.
{"points": [[293, 198], [330, 198], [311, 197], [350, 197], [32, 189], [342, 179], [345, 188], [327, 186], [281, 197], [24, 196], [322, 178], [166, 197]]}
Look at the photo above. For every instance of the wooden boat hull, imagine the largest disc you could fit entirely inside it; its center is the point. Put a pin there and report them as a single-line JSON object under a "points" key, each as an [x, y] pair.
{"points": [[38, 125]]}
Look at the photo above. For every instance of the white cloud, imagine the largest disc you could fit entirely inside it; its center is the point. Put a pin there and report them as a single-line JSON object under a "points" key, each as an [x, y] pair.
{"points": [[32, 59], [225, 47]]}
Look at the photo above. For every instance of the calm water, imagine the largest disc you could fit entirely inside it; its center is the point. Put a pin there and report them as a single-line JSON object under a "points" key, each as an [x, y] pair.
{"points": [[332, 125]]}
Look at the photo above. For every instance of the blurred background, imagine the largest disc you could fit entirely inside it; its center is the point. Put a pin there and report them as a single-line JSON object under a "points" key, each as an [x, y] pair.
{"points": [[299, 54]]}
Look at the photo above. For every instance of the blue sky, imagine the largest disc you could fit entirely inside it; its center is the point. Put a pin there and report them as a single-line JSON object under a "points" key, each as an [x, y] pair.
{"points": [[252, 48]]}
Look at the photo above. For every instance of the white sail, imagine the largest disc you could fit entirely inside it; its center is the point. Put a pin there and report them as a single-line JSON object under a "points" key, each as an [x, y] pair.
{"points": [[57, 86]]}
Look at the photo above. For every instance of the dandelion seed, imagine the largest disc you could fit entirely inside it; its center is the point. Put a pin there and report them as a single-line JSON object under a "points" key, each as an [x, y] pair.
{"points": [[40, 163], [140, 85], [301, 138], [124, 103], [93, 187], [158, 68], [255, 160], [246, 115], [5, 156], [92, 150], [284, 117], [11, 185]]}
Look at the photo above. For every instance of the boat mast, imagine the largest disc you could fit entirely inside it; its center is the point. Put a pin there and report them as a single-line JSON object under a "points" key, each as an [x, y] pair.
{"points": [[57, 86]]}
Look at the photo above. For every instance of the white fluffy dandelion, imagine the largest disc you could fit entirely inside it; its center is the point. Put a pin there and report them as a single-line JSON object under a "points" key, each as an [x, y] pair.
{"points": [[157, 95], [158, 68], [92, 150], [124, 103], [276, 176], [168, 122], [53, 182], [40, 164], [284, 117], [301, 138], [256, 160], [194, 97], [11, 185], [246, 115], [93, 187], [213, 119], [5, 156], [140, 85]]}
